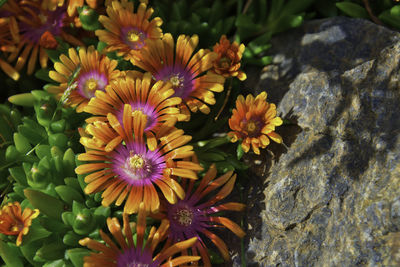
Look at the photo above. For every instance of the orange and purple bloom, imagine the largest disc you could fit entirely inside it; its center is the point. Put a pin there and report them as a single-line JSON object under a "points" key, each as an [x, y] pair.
{"points": [[127, 252], [87, 73], [143, 94], [125, 31], [14, 222], [186, 71], [71, 4], [254, 121], [228, 61], [34, 30], [194, 215], [126, 166]]}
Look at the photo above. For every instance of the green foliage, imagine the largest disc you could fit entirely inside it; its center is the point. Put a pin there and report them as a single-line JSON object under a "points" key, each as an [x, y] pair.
{"points": [[39, 138]]}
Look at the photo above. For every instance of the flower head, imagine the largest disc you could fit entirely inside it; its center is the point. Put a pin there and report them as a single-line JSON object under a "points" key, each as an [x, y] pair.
{"points": [[89, 72], [126, 166], [229, 57], [186, 71], [143, 95], [13, 222], [71, 4], [254, 121], [34, 29], [194, 215], [126, 252], [125, 31]]}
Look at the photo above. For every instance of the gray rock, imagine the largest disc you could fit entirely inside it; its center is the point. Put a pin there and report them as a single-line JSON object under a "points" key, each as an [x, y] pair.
{"points": [[332, 198]]}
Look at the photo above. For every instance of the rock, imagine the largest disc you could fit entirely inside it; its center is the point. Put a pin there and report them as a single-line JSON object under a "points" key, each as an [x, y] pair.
{"points": [[332, 197]]}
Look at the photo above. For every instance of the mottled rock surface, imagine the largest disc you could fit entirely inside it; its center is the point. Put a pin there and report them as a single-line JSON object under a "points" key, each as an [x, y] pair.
{"points": [[332, 197]]}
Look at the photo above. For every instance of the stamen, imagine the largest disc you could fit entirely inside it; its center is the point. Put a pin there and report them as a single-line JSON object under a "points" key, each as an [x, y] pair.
{"points": [[136, 162], [184, 217], [134, 36], [225, 62], [91, 85], [251, 126], [176, 81]]}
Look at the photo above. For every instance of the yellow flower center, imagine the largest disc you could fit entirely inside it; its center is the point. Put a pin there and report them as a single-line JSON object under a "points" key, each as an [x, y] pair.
{"points": [[176, 81], [251, 126], [184, 217], [225, 62], [42, 18], [18, 227], [134, 36], [91, 85], [136, 162]]}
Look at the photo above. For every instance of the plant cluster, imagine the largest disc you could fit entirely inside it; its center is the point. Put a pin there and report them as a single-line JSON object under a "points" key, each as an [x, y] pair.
{"points": [[127, 126]]}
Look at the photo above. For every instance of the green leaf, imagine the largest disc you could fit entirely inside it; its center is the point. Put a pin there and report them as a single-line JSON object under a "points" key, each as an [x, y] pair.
{"points": [[215, 257], [69, 162], [68, 194], [76, 256], [58, 139], [2, 2], [43, 74], [32, 135], [52, 251], [15, 117], [6, 130], [54, 55], [56, 263], [101, 46], [40, 94], [12, 154], [84, 222], [48, 205], [10, 254], [29, 250], [21, 143], [68, 218], [297, 6], [43, 151], [73, 183], [210, 156], [387, 18], [395, 11], [353, 10], [24, 99], [36, 232], [239, 151], [19, 175], [71, 239], [58, 126], [208, 144]]}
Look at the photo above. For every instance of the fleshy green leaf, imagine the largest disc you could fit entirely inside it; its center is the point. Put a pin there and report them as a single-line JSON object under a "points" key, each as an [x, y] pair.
{"points": [[10, 254], [353, 10], [76, 256], [47, 205]]}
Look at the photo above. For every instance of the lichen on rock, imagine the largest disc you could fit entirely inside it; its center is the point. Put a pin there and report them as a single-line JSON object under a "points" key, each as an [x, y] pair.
{"points": [[332, 197]]}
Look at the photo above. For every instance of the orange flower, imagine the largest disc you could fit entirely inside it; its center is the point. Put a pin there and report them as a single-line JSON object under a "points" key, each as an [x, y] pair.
{"points": [[187, 72], [34, 29], [81, 76], [126, 31], [153, 99], [71, 6], [254, 121], [127, 252], [228, 61], [12, 222], [126, 166]]}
